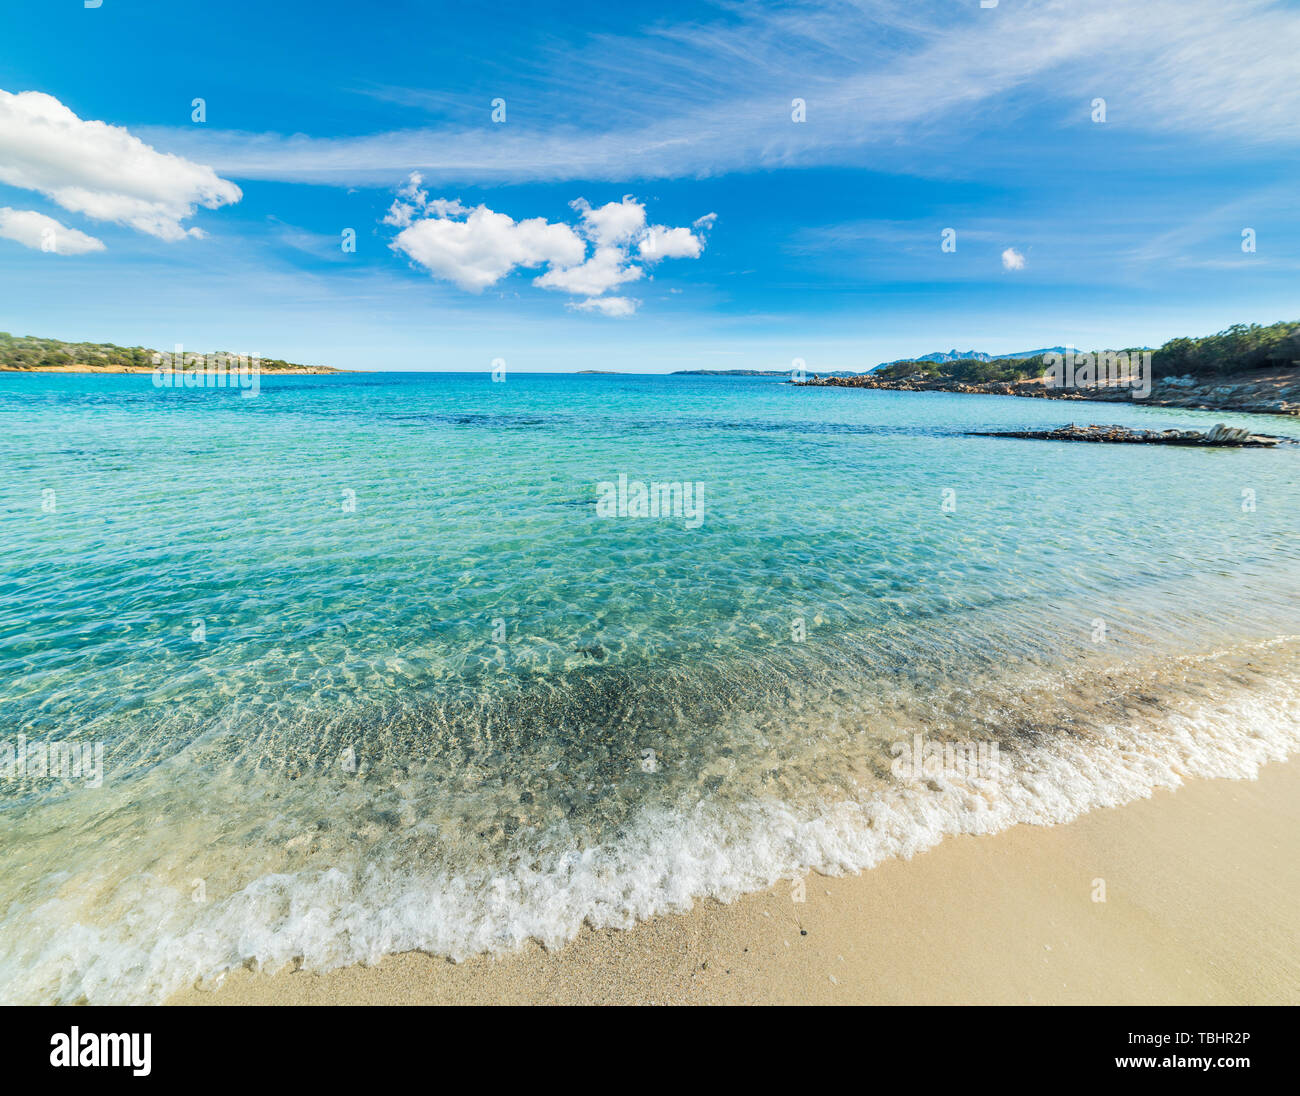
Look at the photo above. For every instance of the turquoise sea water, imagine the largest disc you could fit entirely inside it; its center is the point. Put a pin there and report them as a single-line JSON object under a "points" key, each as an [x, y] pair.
{"points": [[371, 671]]}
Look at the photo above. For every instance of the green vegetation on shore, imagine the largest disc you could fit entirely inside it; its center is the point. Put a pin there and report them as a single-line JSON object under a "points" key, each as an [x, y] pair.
{"points": [[965, 371], [29, 352], [1241, 347]]}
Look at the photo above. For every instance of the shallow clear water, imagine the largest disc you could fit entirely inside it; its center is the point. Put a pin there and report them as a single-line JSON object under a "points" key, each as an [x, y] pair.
{"points": [[370, 670]]}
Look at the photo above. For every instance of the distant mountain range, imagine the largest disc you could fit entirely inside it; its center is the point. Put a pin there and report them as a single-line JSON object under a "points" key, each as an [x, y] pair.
{"points": [[979, 355]]}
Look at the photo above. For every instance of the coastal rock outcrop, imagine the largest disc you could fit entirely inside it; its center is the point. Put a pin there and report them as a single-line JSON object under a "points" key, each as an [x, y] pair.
{"points": [[1221, 435]]}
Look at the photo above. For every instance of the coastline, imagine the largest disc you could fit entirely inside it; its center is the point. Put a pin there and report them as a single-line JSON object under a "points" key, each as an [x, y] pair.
{"points": [[98, 369], [1201, 887], [1277, 394]]}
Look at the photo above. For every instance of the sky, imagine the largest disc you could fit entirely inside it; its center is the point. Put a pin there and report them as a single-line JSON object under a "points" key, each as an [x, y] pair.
{"points": [[646, 187]]}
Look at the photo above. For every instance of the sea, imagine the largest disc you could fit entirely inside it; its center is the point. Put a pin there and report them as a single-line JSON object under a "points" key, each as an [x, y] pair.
{"points": [[365, 663]]}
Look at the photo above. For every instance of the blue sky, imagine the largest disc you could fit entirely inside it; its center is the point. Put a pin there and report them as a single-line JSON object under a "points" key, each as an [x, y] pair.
{"points": [[817, 239]]}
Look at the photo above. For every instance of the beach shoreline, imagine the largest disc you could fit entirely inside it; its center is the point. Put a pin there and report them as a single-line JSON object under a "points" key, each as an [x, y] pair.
{"points": [[1200, 887]]}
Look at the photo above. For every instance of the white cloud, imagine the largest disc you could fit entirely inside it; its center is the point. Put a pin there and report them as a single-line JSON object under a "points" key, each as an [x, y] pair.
{"points": [[482, 249], [660, 242], [35, 230], [1012, 260], [608, 267], [412, 199], [607, 306], [477, 248], [441, 207], [102, 171], [409, 201], [612, 224]]}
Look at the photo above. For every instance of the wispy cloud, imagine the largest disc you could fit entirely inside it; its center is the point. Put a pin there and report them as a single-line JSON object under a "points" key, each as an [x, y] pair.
{"points": [[714, 97], [606, 306]]}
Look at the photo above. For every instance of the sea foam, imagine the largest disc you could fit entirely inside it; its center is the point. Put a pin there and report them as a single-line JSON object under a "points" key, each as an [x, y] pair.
{"points": [[157, 940]]}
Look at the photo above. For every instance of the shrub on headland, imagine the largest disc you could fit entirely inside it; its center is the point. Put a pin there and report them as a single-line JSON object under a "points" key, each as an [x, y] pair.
{"points": [[32, 352], [1241, 347]]}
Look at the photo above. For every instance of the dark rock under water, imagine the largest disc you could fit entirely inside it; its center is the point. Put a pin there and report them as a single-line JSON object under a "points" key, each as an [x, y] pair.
{"points": [[1219, 436]]}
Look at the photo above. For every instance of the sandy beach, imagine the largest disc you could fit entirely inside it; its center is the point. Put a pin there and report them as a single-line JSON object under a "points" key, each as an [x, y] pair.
{"points": [[1201, 890]]}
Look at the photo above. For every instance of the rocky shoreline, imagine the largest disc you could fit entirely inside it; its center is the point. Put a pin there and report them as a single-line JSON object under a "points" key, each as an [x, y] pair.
{"points": [[1272, 394], [1220, 436]]}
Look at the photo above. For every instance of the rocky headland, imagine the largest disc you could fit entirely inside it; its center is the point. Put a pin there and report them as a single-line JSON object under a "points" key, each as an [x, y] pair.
{"points": [[1273, 394], [1248, 367]]}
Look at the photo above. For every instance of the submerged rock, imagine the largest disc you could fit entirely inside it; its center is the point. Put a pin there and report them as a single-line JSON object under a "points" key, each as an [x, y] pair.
{"points": [[1220, 435]]}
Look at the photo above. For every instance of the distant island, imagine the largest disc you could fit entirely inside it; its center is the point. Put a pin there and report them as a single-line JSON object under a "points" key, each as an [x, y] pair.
{"points": [[30, 354], [730, 373]]}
